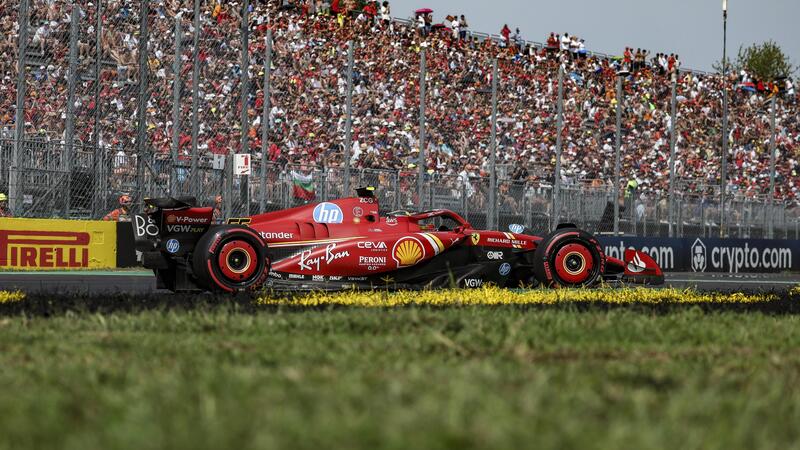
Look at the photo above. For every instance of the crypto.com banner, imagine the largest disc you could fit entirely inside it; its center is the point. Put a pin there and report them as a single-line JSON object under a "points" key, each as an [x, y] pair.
{"points": [[712, 254]]}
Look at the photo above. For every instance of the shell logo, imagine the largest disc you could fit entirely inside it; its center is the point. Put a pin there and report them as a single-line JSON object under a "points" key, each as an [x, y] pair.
{"points": [[408, 251]]}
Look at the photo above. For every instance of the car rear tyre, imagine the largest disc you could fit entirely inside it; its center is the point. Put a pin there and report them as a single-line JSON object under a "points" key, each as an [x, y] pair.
{"points": [[568, 257], [230, 258]]}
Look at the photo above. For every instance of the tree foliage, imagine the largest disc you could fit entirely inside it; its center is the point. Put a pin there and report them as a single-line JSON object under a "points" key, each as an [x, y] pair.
{"points": [[766, 62]]}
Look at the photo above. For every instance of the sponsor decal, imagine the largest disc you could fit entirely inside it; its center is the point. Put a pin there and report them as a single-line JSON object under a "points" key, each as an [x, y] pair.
{"points": [[473, 282], [358, 212], [369, 200], [494, 255], [516, 228], [44, 249], [516, 243], [238, 221], [173, 246], [356, 278], [375, 230], [335, 278], [391, 221], [408, 251], [274, 274], [295, 276], [144, 226], [327, 212], [372, 262], [306, 262], [185, 229], [172, 218], [276, 235], [375, 246], [505, 269], [698, 256], [475, 238], [636, 265], [317, 278]]}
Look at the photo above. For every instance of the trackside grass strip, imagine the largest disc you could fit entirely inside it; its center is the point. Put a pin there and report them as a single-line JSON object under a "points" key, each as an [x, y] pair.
{"points": [[491, 296]]}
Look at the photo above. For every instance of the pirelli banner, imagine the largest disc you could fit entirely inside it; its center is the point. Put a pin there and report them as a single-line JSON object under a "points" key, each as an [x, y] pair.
{"points": [[712, 254], [45, 244]]}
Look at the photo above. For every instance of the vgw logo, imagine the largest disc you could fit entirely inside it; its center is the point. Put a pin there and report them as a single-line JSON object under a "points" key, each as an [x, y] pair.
{"points": [[328, 213], [699, 256]]}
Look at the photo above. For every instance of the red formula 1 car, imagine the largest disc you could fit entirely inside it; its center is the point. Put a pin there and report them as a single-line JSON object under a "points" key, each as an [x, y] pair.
{"points": [[346, 244]]}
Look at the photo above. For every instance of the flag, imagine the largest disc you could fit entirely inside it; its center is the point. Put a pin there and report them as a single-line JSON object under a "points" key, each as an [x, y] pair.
{"points": [[303, 186]]}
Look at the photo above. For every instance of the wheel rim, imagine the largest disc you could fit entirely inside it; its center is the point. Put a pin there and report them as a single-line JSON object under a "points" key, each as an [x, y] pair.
{"points": [[574, 263], [237, 261]]}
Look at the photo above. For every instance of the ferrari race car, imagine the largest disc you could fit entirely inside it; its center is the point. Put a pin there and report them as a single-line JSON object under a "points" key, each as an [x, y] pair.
{"points": [[346, 243]]}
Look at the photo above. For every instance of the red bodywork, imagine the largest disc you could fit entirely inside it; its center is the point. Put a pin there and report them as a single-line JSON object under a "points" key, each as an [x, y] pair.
{"points": [[348, 237]]}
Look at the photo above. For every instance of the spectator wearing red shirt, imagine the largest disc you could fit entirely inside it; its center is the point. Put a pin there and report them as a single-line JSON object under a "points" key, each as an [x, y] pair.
{"points": [[506, 33]]}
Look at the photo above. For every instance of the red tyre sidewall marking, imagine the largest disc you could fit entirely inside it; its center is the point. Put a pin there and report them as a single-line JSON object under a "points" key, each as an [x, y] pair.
{"points": [[230, 248], [216, 280], [560, 261]]}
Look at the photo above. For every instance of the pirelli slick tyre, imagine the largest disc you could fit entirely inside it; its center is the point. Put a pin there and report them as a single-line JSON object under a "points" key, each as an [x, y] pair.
{"points": [[230, 258], [568, 257]]}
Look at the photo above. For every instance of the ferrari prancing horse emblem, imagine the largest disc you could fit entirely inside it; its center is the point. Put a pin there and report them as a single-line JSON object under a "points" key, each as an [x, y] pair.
{"points": [[475, 238]]}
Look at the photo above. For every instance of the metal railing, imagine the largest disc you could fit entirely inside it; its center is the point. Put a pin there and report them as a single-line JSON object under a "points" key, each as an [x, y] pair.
{"points": [[96, 177]]}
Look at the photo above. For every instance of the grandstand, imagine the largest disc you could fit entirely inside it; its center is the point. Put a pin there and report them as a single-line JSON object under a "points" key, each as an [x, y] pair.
{"points": [[308, 81]]}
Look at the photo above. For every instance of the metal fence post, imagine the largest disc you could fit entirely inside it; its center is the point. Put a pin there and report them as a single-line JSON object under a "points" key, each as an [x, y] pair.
{"points": [[141, 113], [176, 108], [673, 119], [69, 132], [265, 123], [559, 142], [771, 225], [617, 156], [348, 128], [195, 175], [492, 224], [14, 179], [724, 156], [99, 160], [422, 82], [244, 193]]}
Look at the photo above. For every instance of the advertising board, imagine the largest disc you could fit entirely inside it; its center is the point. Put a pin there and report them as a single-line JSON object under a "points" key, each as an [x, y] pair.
{"points": [[45, 244], [701, 254]]}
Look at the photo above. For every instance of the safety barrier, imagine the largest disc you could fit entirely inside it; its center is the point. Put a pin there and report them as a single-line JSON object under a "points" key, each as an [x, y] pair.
{"points": [[45, 244], [712, 254]]}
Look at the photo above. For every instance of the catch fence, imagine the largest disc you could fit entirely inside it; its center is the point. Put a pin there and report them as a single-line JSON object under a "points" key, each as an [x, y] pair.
{"points": [[151, 99], [89, 186]]}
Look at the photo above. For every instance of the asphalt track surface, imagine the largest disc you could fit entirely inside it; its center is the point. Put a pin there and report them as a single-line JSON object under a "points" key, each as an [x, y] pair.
{"points": [[143, 282]]}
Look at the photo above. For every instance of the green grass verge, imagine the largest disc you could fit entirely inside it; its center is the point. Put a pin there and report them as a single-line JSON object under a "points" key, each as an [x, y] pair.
{"points": [[218, 373]]}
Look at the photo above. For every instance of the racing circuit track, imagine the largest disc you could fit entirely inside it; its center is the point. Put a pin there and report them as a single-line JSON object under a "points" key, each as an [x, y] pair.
{"points": [[143, 282]]}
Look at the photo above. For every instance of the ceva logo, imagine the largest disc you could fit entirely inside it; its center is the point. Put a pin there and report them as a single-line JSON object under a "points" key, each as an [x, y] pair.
{"points": [[699, 256], [328, 213]]}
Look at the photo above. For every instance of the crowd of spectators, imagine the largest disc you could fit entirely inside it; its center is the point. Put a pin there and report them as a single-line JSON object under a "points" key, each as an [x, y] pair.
{"points": [[308, 92]]}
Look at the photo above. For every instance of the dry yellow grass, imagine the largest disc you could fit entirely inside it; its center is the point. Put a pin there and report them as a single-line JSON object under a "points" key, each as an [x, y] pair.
{"points": [[495, 296], [11, 297]]}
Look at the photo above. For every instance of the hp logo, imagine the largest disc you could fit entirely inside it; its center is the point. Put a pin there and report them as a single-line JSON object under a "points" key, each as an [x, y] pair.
{"points": [[516, 228], [173, 246], [505, 269], [328, 213]]}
